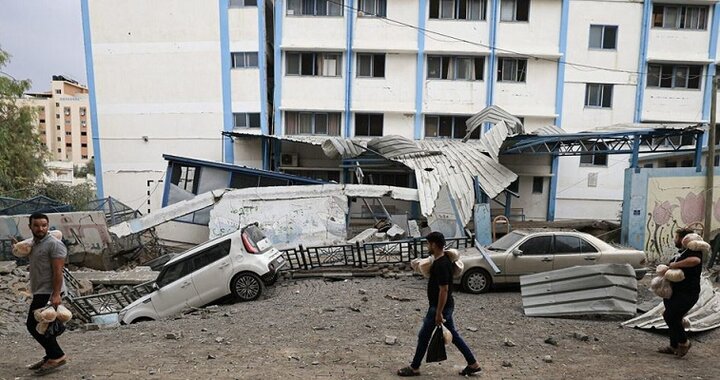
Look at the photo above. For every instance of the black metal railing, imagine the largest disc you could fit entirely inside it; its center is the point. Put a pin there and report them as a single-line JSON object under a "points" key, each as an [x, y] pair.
{"points": [[362, 255]]}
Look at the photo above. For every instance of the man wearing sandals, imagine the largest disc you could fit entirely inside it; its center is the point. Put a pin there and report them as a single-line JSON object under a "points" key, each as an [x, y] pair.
{"points": [[47, 260], [684, 293], [439, 293]]}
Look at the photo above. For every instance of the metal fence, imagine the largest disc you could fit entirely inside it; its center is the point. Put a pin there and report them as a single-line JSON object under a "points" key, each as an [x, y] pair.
{"points": [[362, 255]]}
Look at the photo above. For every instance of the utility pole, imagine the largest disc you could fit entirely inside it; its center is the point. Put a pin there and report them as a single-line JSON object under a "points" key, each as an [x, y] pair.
{"points": [[710, 166]]}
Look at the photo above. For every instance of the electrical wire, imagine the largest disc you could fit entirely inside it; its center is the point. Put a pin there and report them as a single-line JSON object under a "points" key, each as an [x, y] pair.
{"points": [[427, 31]]}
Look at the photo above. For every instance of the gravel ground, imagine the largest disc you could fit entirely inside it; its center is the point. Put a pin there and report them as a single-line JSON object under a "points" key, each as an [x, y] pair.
{"points": [[314, 329]]}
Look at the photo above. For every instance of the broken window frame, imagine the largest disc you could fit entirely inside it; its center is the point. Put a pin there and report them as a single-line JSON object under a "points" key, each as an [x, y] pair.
{"points": [[180, 177], [436, 127]]}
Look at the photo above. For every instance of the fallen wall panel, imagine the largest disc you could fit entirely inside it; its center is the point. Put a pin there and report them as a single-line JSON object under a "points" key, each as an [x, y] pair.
{"points": [[609, 289]]}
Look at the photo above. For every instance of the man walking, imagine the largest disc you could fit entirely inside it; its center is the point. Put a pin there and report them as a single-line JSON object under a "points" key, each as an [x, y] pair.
{"points": [[47, 260], [684, 293], [439, 292]]}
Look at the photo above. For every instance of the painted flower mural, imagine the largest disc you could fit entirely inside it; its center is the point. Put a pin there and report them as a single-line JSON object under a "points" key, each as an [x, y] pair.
{"points": [[662, 213], [692, 208]]}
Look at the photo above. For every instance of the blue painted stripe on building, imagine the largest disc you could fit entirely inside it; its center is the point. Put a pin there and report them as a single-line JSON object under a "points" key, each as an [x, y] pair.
{"points": [[712, 67], [552, 196], [262, 63], [349, 64], [420, 75], [491, 75], [277, 64], [225, 68], [562, 48], [642, 60], [87, 40]]}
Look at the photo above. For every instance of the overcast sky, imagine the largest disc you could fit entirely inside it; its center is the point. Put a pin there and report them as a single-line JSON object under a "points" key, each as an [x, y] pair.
{"points": [[45, 38]]}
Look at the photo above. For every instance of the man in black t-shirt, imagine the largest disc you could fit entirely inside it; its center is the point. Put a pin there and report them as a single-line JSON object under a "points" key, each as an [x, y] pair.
{"points": [[439, 292], [684, 293]]}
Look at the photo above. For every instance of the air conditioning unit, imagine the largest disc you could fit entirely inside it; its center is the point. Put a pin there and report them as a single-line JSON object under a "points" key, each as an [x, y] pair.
{"points": [[289, 159]]}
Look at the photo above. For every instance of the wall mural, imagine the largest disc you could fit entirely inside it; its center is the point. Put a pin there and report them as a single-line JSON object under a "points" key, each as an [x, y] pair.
{"points": [[672, 203]]}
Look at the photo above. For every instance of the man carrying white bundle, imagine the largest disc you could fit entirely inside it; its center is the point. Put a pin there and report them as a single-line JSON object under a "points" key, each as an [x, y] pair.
{"points": [[685, 293], [47, 259]]}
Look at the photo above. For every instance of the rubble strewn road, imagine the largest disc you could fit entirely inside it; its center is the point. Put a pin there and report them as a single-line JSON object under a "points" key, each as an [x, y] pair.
{"points": [[313, 329]]}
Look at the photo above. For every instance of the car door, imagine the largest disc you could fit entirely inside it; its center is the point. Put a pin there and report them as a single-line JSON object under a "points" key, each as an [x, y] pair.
{"points": [[571, 250], [212, 272], [536, 257], [176, 290]]}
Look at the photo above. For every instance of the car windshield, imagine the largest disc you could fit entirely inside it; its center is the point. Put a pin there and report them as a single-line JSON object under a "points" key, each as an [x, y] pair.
{"points": [[505, 242]]}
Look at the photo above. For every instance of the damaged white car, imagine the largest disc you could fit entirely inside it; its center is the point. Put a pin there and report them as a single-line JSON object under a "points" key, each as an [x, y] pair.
{"points": [[240, 263]]}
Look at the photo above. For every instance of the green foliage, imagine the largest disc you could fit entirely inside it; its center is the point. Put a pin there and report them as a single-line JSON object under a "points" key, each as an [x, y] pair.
{"points": [[76, 196], [22, 156], [83, 171]]}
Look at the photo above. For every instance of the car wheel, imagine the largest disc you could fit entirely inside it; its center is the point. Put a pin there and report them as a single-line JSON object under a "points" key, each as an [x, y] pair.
{"points": [[141, 319], [476, 281], [246, 286]]}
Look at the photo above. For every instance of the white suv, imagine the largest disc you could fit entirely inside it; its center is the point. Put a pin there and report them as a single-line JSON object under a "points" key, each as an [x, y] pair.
{"points": [[240, 264]]}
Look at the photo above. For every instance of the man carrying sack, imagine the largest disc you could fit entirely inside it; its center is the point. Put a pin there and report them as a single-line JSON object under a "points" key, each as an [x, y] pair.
{"points": [[47, 259], [440, 310]]}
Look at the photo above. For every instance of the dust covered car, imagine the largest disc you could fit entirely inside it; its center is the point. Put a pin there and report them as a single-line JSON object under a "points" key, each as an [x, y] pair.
{"points": [[238, 264], [524, 252]]}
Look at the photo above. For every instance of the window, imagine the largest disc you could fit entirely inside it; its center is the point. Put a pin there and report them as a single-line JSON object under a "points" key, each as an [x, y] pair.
{"points": [[82, 111], [83, 145], [369, 124], [455, 68], [84, 157], [537, 246], [538, 185], [448, 127], [244, 60], [598, 95], [595, 159], [67, 111], [68, 133], [58, 91], [312, 123], [68, 145], [648, 166], [57, 104], [58, 127], [674, 76], [59, 150], [210, 255], [314, 64], [185, 177], [370, 8], [371, 65], [573, 244], [677, 16], [514, 10], [242, 3], [57, 115], [247, 120], [457, 9], [603, 37], [42, 121], [174, 272], [315, 7], [83, 133], [83, 123], [59, 139], [385, 178], [512, 70]]}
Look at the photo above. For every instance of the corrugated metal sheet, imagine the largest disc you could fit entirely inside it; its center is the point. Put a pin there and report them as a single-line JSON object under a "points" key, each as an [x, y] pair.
{"points": [[705, 315], [549, 130], [337, 147], [493, 114], [609, 289]]}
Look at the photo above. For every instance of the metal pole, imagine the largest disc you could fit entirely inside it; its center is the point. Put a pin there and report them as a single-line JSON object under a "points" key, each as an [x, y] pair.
{"points": [[710, 166]]}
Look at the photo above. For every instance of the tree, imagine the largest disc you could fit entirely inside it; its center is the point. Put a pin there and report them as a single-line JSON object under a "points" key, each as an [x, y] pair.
{"points": [[22, 155], [76, 196]]}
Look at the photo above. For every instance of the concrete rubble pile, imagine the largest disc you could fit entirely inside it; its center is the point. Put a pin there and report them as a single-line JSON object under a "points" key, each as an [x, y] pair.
{"points": [[15, 297]]}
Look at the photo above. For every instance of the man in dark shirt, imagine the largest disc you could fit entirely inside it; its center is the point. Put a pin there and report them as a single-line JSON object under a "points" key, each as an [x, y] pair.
{"points": [[439, 292], [684, 293]]}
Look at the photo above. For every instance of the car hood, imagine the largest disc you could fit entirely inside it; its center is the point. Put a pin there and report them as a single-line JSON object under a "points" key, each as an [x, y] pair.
{"points": [[137, 302]]}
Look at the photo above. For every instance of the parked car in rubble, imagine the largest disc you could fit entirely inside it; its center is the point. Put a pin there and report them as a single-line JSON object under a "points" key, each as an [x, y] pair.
{"points": [[240, 263], [524, 252]]}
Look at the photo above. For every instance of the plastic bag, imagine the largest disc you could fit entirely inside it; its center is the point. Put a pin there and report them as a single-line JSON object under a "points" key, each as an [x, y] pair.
{"points": [[661, 287], [447, 335], [55, 328], [436, 350]]}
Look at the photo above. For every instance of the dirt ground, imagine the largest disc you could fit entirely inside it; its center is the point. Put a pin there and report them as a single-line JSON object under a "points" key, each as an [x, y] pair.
{"points": [[314, 329]]}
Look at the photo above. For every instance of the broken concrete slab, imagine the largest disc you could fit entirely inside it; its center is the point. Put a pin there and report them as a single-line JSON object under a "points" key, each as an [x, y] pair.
{"points": [[395, 232], [116, 278], [7, 267], [364, 237]]}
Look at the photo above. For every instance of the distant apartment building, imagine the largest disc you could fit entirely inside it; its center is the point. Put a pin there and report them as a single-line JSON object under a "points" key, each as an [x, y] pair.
{"points": [[63, 120], [169, 77]]}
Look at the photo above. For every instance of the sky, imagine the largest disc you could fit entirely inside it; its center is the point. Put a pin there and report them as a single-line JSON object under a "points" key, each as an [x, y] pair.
{"points": [[44, 38]]}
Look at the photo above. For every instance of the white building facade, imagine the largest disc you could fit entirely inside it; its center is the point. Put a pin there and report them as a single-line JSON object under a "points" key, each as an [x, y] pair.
{"points": [[415, 68]]}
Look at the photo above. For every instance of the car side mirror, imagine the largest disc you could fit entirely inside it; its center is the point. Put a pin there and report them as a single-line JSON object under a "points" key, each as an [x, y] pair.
{"points": [[517, 252], [155, 286]]}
